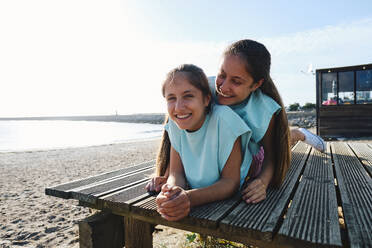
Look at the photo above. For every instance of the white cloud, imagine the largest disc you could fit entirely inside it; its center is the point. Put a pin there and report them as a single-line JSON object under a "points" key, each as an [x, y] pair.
{"points": [[330, 46], [87, 57]]}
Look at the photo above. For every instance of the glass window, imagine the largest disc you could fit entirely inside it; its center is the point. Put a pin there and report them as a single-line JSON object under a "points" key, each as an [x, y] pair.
{"points": [[329, 88], [346, 87], [364, 87]]}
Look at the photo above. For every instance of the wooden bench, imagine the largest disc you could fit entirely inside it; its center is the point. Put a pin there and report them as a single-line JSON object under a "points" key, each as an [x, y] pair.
{"points": [[304, 211]]}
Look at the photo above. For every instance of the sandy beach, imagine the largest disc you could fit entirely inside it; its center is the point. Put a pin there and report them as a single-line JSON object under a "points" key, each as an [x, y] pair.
{"points": [[29, 218]]}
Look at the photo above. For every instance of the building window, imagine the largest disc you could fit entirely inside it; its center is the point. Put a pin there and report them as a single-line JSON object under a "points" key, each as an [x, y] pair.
{"points": [[329, 88], [364, 87], [346, 87]]}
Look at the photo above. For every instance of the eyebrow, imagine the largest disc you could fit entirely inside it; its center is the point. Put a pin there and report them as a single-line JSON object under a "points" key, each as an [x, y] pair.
{"points": [[188, 91], [235, 77], [185, 92]]}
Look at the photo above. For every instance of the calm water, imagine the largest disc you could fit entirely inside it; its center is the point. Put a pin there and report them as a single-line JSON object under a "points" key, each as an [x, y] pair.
{"points": [[32, 135]]}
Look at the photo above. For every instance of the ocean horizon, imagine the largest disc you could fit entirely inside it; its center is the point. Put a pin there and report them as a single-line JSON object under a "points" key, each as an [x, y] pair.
{"points": [[30, 135]]}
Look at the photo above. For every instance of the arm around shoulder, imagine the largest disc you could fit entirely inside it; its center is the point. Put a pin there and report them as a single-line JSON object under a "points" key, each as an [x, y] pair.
{"points": [[256, 190], [268, 145]]}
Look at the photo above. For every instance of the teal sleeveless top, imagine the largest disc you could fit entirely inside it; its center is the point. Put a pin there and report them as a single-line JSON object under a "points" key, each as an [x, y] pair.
{"points": [[256, 111], [204, 152]]}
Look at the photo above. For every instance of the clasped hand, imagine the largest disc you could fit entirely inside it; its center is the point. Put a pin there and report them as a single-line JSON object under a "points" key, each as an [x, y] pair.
{"points": [[173, 203], [156, 183]]}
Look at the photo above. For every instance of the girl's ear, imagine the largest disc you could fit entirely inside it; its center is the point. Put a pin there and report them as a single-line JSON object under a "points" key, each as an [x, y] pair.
{"points": [[258, 84]]}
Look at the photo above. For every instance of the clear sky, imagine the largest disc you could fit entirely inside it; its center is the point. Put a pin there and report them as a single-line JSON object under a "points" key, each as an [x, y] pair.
{"points": [[97, 57]]}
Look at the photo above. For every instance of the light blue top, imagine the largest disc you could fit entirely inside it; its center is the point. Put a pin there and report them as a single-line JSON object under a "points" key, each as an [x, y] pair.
{"points": [[204, 152], [256, 111]]}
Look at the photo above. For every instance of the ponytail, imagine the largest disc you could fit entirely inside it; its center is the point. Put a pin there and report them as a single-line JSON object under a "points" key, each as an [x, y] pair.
{"points": [[281, 139], [163, 156]]}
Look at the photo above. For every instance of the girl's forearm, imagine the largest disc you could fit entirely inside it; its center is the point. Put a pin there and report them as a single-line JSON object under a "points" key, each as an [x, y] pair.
{"points": [[175, 170], [166, 174], [222, 189], [228, 183], [176, 180], [267, 171], [268, 163]]}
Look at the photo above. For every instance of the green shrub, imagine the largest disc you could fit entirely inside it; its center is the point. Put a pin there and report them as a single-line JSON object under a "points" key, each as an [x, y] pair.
{"points": [[294, 107], [309, 106]]}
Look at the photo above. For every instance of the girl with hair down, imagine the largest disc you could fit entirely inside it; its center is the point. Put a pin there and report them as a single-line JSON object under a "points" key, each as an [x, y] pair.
{"points": [[205, 160], [244, 84]]}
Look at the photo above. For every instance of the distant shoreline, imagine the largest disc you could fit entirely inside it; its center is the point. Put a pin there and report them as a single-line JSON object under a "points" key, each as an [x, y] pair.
{"points": [[154, 118], [134, 118]]}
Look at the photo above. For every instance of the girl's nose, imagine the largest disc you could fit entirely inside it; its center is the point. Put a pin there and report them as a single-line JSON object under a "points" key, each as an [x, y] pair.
{"points": [[179, 105], [222, 85]]}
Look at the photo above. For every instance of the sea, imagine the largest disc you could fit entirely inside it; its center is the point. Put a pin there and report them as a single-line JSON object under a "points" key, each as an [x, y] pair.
{"points": [[56, 134]]}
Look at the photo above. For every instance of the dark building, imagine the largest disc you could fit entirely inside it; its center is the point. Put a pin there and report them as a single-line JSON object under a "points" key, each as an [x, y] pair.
{"points": [[344, 101]]}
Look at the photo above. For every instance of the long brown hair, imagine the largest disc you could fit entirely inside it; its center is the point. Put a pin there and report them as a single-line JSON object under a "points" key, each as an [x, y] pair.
{"points": [[257, 61], [196, 77], [163, 156]]}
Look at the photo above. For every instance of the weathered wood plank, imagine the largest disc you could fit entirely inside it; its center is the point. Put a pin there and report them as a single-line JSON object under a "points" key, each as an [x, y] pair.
{"points": [[257, 223], [312, 218], [101, 230], [210, 214], [353, 110], [138, 234], [91, 192], [206, 216], [355, 187], [146, 211], [120, 201], [364, 153], [64, 190], [341, 131], [260, 221], [345, 121]]}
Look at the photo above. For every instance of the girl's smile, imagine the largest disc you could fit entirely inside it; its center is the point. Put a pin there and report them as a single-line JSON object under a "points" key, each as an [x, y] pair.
{"points": [[183, 116], [186, 103], [233, 83]]}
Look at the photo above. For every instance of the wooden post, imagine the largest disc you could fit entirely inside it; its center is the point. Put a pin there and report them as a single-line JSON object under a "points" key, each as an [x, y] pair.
{"points": [[102, 230], [138, 234]]}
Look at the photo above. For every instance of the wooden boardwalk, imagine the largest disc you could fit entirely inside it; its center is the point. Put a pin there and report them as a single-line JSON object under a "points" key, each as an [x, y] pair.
{"points": [[319, 192]]}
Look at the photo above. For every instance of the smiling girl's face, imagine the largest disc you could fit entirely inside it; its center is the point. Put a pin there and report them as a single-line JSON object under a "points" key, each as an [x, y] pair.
{"points": [[186, 103], [233, 83]]}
